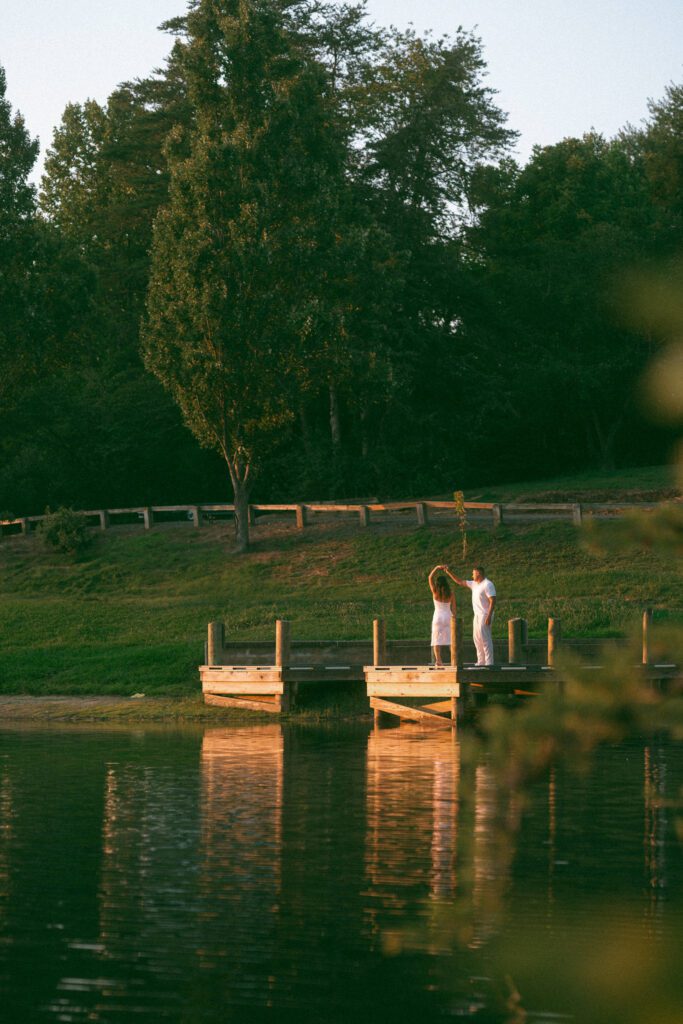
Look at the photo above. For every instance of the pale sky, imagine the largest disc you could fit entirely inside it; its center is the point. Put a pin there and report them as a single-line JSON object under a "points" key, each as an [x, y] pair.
{"points": [[560, 67]]}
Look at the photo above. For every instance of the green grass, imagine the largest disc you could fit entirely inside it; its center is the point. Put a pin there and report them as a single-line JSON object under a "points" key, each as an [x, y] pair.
{"points": [[644, 483], [130, 615]]}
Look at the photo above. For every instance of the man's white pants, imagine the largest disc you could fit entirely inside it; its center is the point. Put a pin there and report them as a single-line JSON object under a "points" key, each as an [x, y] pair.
{"points": [[483, 641]]}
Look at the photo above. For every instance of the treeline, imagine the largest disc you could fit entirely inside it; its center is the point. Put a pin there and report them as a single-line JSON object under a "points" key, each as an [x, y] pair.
{"points": [[304, 239]]}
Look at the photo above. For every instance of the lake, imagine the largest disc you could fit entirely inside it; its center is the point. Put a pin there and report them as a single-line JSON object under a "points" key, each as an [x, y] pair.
{"points": [[315, 874]]}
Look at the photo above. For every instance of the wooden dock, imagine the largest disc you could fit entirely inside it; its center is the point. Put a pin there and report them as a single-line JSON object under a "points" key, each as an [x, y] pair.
{"points": [[262, 676], [471, 686]]}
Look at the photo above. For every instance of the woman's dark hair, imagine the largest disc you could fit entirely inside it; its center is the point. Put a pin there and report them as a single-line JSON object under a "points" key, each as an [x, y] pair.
{"points": [[442, 588]]}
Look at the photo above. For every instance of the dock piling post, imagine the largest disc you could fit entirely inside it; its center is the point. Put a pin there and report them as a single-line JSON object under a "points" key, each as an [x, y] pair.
{"points": [[379, 657], [282, 646], [647, 629], [379, 642], [458, 704], [281, 642], [554, 639], [516, 641], [216, 642]]}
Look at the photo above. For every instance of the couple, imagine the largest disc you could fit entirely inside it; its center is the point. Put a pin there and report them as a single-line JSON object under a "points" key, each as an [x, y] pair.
{"points": [[483, 604]]}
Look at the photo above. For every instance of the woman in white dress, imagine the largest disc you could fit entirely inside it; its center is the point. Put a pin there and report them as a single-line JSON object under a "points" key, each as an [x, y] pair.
{"points": [[444, 607]]}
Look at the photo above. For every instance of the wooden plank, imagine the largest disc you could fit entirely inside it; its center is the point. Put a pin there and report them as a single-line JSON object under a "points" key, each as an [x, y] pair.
{"points": [[251, 688], [412, 714], [271, 705], [410, 674], [439, 705], [412, 689], [240, 671]]}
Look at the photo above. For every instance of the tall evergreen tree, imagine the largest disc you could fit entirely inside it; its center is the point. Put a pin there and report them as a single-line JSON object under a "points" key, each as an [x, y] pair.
{"points": [[18, 244], [241, 252]]}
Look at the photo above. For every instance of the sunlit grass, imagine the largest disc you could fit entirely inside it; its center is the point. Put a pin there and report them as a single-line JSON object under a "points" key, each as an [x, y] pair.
{"points": [[130, 615]]}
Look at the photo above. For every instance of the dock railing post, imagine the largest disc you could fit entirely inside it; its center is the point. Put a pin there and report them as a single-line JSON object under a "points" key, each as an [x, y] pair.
{"points": [[456, 641], [216, 642], [281, 643], [379, 642], [554, 639], [516, 641], [647, 629], [379, 657], [458, 704]]}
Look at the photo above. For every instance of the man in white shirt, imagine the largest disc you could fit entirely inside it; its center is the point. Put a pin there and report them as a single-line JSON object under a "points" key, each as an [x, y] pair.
{"points": [[483, 604]]}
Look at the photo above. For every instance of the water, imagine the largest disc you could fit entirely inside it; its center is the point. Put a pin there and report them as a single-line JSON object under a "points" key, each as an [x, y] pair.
{"points": [[316, 874]]}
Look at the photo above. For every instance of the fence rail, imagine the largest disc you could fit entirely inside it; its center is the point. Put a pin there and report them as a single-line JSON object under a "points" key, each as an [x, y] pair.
{"points": [[425, 511]]}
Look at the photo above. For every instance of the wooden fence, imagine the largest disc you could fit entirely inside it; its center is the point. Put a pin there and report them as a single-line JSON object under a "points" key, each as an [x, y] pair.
{"points": [[304, 513]]}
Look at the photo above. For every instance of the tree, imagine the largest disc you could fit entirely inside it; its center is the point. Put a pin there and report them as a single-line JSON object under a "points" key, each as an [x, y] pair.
{"points": [[554, 239], [18, 243], [242, 249]]}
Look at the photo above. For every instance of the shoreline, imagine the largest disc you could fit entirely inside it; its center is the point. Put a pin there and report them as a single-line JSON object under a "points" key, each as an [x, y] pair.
{"points": [[66, 708]]}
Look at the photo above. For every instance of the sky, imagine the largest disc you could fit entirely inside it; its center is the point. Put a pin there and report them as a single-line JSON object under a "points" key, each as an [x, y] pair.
{"points": [[559, 67]]}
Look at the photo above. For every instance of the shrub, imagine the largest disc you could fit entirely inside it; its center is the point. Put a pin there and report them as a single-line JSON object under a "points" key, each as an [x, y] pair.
{"points": [[65, 530]]}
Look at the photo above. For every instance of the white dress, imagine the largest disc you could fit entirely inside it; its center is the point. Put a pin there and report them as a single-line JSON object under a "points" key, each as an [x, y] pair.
{"points": [[441, 624]]}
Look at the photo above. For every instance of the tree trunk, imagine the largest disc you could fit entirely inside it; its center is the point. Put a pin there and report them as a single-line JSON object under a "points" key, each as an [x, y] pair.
{"points": [[335, 429], [604, 440], [241, 486]]}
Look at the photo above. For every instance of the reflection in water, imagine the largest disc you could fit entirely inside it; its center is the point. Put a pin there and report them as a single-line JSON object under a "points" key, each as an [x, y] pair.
{"points": [[328, 875], [242, 773], [412, 790]]}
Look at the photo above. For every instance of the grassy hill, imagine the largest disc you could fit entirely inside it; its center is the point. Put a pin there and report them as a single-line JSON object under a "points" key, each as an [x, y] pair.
{"points": [[130, 614]]}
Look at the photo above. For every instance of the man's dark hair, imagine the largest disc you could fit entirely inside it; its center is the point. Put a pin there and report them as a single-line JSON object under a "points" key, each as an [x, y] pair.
{"points": [[480, 569]]}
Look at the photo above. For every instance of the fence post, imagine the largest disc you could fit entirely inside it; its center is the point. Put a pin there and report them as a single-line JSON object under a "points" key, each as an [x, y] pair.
{"points": [[281, 643], [104, 519], [554, 638], [147, 517], [647, 628], [364, 515], [422, 514], [215, 644], [516, 641], [577, 515], [497, 514], [196, 518], [300, 516]]}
